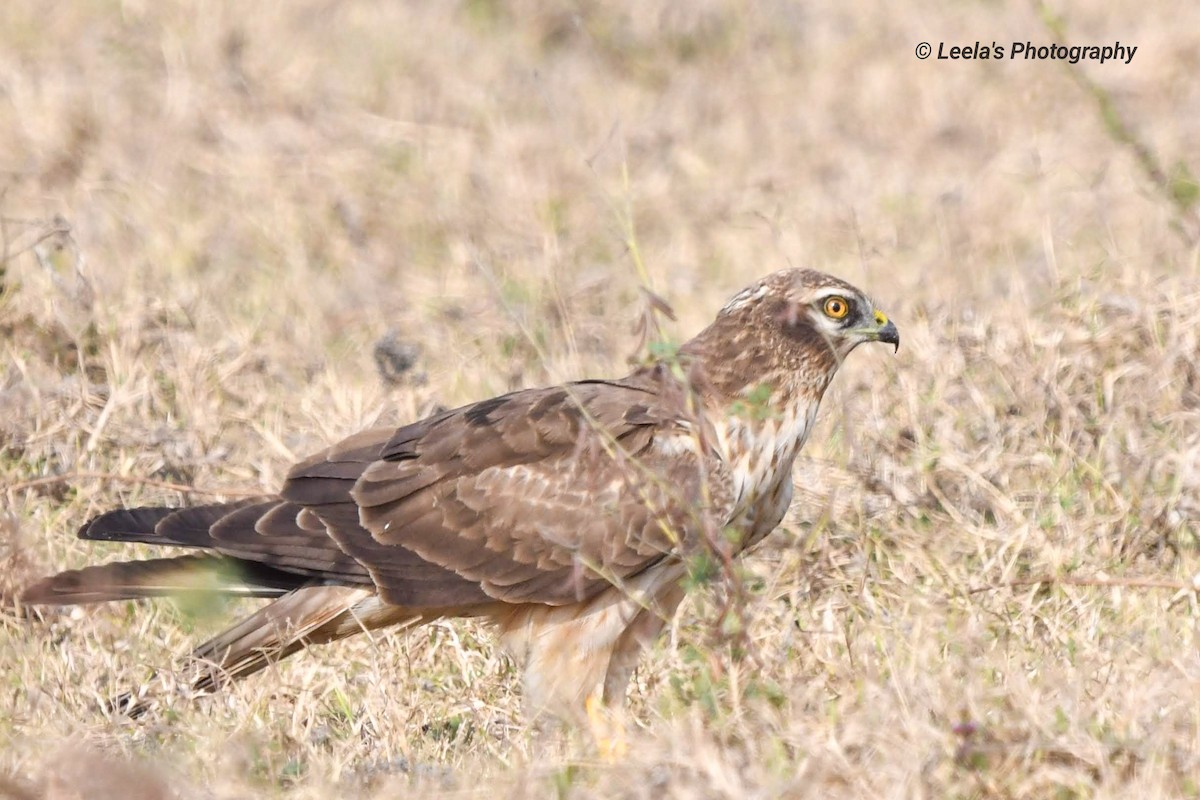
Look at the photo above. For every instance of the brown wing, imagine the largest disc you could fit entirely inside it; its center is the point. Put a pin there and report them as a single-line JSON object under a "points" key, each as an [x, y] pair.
{"points": [[542, 496]]}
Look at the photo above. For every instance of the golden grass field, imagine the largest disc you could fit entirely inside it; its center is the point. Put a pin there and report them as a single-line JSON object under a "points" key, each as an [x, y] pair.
{"points": [[212, 215]]}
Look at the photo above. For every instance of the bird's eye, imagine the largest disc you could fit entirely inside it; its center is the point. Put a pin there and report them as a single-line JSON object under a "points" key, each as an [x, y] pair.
{"points": [[837, 307]]}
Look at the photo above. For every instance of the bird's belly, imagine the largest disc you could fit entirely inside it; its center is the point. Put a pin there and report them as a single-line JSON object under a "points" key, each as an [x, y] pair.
{"points": [[566, 649]]}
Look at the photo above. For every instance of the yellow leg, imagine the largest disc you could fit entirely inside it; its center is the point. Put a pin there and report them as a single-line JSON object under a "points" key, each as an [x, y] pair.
{"points": [[608, 730]]}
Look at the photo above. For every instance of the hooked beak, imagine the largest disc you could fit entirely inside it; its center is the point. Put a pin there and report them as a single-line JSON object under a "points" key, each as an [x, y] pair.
{"points": [[885, 331]]}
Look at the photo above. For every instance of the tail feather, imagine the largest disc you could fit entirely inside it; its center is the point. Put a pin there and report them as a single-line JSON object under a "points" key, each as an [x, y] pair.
{"points": [[307, 616], [182, 527], [254, 548], [159, 577]]}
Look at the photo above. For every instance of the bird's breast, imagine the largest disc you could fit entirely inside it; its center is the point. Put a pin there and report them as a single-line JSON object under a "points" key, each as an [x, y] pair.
{"points": [[759, 454]]}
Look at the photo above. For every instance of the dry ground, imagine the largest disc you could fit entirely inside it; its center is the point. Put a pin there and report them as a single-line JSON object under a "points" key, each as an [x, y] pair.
{"points": [[213, 214]]}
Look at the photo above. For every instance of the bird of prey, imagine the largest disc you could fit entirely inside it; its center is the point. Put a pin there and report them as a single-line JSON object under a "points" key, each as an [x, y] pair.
{"points": [[563, 515]]}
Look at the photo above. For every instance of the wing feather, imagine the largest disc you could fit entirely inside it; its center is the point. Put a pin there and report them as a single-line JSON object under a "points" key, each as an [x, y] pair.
{"points": [[269, 533], [541, 496]]}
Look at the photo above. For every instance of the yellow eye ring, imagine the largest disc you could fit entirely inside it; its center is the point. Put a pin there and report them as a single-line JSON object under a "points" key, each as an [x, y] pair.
{"points": [[837, 307]]}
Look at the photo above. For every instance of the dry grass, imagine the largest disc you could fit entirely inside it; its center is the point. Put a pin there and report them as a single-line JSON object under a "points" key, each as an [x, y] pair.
{"points": [[212, 216]]}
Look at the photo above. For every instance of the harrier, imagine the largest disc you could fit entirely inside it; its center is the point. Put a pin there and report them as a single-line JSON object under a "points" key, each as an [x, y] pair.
{"points": [[564, 515]]}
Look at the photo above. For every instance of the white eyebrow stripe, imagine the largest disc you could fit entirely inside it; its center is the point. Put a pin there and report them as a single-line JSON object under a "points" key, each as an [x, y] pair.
{"points": [[837, 292]]}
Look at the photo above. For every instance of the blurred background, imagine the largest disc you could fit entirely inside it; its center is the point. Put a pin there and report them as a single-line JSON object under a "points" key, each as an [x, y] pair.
{"points": [[232, 233]]}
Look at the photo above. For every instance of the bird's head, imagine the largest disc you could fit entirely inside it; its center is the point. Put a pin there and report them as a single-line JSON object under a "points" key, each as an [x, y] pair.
{"points": [[793, 327], [807, 304]]}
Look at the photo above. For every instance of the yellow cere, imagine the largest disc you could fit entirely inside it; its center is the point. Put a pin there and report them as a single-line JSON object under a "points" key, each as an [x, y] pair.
{"points": [[881, 318]]}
